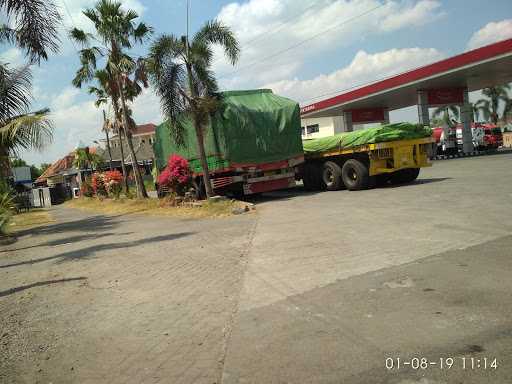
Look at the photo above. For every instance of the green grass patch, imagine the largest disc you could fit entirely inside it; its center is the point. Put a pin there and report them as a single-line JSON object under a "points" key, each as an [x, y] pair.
{"points": [[32, 219]]}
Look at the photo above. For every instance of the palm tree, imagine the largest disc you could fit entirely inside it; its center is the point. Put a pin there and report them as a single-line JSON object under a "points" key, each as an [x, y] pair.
{"points": [[19, 128], [181, 73], [496, 97], [32, 26], [106, 89], [84, 159], [117, 32], [448, 113]]}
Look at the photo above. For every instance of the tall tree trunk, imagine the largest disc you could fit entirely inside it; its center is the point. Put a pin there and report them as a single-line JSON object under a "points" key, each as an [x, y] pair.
{"points": [[202, 158], [108, 141], [141, 189], [200, 138], [119, 134], [5, 165], [123, 165]]}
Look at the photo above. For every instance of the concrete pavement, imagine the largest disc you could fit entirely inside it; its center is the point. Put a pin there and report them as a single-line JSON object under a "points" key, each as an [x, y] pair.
{"points": [[338, 281]]}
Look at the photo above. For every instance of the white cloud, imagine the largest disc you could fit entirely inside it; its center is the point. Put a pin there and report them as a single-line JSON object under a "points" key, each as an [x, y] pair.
{"points": [[65, 98], [492, 32], [295, 21], [364, 68], [72, 16], [421, 13], [146, 108]]}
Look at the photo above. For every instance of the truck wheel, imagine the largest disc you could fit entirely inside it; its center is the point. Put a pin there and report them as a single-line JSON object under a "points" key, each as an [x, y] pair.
{"points": [[331, 176], [405, 175], [312, 177], [355, 175]]}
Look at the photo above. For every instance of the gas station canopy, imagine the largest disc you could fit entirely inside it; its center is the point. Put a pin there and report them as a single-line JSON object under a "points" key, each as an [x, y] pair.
{"points": [[473, 70]]}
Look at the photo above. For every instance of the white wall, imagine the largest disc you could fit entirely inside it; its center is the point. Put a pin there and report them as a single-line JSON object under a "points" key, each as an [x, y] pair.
{"points": [[327, 126]]}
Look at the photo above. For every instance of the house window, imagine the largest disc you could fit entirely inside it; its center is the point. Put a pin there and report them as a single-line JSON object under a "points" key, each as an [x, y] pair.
{"points": [[313, 128], [150, 140], [143, 141], [303, 130]]}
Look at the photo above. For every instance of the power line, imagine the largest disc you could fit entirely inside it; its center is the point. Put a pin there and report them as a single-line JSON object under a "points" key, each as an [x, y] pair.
{"points": [[302, 42], [72, 22]]}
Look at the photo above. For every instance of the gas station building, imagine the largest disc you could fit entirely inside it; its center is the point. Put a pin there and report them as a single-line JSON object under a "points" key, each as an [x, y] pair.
{"points": [[446, 82]]}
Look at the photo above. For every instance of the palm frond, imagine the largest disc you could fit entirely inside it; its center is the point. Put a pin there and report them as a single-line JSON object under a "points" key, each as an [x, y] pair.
{"points": [[35, 23], [79, 36], [165, 49], [32, 130], [15, 87], [214, 32], [142, 32]]}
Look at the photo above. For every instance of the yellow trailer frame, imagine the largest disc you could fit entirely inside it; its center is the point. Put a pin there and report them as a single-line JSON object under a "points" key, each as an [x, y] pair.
{"points": [[388, 157]]}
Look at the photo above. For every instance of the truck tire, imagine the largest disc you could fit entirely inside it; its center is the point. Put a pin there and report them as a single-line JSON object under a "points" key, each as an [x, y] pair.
{"points": [[355, 175], [331, 176], [403, 176], [312, 177]]}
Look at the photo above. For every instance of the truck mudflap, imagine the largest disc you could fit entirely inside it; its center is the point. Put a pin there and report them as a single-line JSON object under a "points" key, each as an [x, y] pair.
{"points": [[270, 184]]}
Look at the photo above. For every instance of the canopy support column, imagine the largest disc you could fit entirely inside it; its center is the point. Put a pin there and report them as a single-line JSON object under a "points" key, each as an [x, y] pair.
{"points": [[465, 117], [347, 121], [423, 116]]}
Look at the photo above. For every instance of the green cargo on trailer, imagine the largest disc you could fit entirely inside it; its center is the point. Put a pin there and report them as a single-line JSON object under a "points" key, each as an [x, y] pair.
{"points": [[252, 143], [364, 158]]}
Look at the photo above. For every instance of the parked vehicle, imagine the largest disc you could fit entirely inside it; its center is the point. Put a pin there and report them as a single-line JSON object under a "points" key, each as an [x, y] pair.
{"points": [[446, 140], [362, 159], [493, 136], [253, 144]]}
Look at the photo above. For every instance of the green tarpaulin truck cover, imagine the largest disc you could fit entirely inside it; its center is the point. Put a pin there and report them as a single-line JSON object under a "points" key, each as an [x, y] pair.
{"points": [[250, 128], [379, 134]]}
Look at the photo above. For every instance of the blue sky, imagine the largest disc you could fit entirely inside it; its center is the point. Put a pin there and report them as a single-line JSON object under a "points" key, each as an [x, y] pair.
{"points": [[391, 37]]}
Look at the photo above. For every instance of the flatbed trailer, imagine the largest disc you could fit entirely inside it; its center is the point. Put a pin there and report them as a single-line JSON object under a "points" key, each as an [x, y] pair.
{"points": [[366, 166]]}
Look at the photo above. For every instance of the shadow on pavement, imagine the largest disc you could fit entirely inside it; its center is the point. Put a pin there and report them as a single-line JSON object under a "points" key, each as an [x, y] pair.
{"points": [[89, 251], [92, 224], [67, 240], [10, 291], [417, 182], [287, 194]]}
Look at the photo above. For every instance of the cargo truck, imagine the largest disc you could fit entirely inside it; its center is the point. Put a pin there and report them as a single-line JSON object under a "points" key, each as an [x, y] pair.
{"points": [[253, 144]]}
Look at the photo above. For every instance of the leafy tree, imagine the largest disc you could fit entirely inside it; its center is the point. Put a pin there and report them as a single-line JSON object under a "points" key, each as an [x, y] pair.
{"points": [[35, 172], [446, 114], [117, 32], [181, 72], [85, 159], [496, 97], [44, 166]]}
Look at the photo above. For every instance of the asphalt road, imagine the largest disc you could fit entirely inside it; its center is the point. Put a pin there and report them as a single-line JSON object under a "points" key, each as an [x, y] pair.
{"points": [[314, 288]]}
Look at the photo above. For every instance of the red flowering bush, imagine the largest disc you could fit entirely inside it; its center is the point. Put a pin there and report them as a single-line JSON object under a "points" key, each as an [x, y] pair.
{"points": [[86, 188], [98, 184], [112, 181], [176, 175]]}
